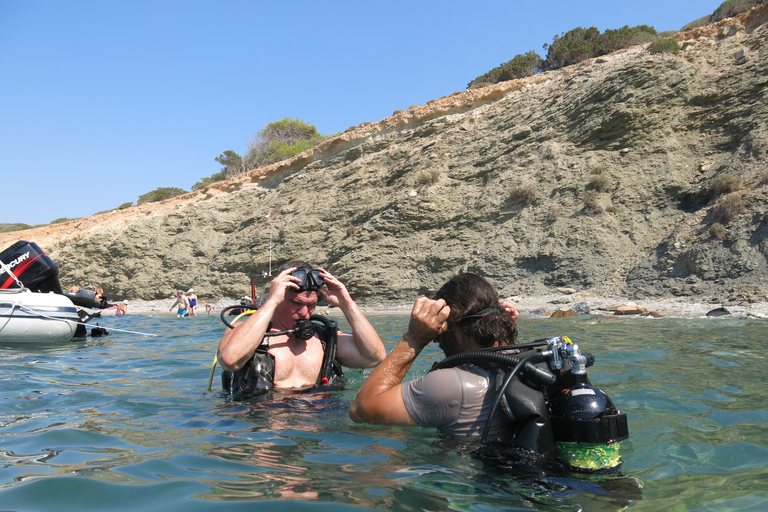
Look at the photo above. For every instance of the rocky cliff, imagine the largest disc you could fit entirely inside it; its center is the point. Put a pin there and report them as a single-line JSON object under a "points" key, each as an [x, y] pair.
{"points": [[607, 177]]}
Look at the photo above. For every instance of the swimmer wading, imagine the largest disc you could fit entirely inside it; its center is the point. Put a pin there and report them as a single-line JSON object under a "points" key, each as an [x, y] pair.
{"points": [[549, 403], [257, 376]]}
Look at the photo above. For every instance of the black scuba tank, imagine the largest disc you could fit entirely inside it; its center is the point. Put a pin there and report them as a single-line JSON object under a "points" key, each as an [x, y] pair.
{"points": [[587, 427]]}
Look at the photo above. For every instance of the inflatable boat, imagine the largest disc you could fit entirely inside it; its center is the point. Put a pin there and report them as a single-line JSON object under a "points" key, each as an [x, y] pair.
{"points": [[33, 307], [27, 316]]}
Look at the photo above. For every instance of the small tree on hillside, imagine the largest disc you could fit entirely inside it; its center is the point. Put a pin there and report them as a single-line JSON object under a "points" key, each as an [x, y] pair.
{"points": [[160, 194], [580, 44], [520, 66], [572, 47], [281, 140], [232, 162]]}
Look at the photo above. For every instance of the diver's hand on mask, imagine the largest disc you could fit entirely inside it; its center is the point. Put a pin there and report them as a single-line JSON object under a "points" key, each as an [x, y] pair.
{"points": [[334, 292], [282, 282], [429, 318]]}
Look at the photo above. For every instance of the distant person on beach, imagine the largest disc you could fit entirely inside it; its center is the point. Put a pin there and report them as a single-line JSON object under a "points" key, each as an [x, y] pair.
{"points": [[182, 303], [258, 363], [209, 308], [465, 314], [192, 299], [122, 308]]}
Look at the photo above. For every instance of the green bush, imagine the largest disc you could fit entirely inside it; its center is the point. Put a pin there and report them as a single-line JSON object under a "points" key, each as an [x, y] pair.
{"points": [[204, 182], [17, 226], [124, 206], [669, 45], [232, 162], [520, 66], [731, 8], [580, 44], [281, 140], [159, 194], [626, 36]]}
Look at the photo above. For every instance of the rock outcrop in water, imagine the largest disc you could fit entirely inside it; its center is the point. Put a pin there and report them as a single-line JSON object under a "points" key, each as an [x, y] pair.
{"points": [[607, 177]]}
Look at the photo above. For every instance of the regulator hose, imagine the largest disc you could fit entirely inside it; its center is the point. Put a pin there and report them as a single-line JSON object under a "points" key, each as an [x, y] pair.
{"points": [[223, 314]]}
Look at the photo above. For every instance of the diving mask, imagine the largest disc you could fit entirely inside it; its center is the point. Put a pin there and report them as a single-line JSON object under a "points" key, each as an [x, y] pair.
{"points": [[310, 279]]}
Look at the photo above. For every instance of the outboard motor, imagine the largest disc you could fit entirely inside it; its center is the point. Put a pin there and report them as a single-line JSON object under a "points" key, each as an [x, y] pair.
{"points": [[31, 266]]}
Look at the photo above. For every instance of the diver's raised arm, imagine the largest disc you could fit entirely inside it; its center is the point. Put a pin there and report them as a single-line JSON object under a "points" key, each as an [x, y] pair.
{"points": [[238, 345], [363, 348]]}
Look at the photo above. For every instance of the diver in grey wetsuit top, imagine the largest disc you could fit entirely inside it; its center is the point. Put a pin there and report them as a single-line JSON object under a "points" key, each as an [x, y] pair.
{"points": [[465, 315]]}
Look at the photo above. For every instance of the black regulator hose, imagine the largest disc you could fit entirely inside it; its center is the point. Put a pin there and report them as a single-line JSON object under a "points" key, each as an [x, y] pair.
{"points": [[226, 310]]}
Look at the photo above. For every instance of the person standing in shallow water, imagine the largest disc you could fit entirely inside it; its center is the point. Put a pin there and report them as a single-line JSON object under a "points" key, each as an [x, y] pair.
{"points": [[297, 363], [192, 300], [182, 303]]}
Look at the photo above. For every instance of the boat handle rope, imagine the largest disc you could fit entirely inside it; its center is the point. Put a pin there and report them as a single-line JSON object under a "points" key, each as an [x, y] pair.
{"points": [[10, 273], [32, 311]]}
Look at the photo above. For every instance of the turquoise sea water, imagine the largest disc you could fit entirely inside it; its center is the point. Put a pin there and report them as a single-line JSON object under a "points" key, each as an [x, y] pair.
{"points": [[125, 422]]}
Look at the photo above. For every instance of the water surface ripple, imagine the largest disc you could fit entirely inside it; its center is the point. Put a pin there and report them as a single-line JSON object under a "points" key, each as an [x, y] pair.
{"points": [[125, 422]]}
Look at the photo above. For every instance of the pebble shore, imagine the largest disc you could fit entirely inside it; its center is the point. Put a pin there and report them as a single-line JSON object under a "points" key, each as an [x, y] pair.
{"points": [[540, 306]]}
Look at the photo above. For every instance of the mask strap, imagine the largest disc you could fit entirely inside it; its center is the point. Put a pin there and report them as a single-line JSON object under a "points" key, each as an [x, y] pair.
{"points": [[478, 315]]}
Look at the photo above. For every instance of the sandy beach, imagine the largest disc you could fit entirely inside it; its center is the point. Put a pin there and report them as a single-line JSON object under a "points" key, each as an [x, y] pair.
{"points": [[539, 306]]}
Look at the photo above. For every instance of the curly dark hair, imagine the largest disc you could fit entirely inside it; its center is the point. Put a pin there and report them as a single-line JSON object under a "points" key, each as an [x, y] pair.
{"points": [[470, 294]]}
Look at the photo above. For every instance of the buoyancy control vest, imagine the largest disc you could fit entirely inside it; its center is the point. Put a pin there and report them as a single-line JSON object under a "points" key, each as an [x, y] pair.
{"points": [[552, 406], [258, 375]]}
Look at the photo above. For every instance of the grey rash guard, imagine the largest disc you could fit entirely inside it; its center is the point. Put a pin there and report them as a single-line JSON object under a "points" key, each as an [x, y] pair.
{"points": [[457, 401]]}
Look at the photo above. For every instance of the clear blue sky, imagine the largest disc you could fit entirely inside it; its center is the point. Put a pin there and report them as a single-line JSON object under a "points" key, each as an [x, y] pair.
{"points": [[102, 101]]}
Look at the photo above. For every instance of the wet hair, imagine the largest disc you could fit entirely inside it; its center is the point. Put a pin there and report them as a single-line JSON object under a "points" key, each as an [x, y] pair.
{"points": [[294, 263], [470, 294]]}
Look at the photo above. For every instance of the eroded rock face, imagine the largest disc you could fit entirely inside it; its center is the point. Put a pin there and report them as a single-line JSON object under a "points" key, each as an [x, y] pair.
{"points": [[596, 177]]}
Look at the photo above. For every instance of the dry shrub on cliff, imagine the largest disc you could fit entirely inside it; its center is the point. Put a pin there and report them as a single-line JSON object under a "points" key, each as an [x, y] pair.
{"points": [[728, 208], [591, 205], [524, 193], [717, 230], [600, 183], [554, 212], [725, 183], [428, 176]]}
